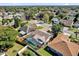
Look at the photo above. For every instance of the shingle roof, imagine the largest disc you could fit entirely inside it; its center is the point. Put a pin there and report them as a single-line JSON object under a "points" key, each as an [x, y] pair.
{"points": [[24, 28], [62, 45], [67, 22], [40, 34]]}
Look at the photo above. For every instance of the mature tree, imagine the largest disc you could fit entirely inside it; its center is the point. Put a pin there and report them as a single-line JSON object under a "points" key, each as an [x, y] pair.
{"points": [[17, 22], [46, 18], [56, 28], [7, 37]]}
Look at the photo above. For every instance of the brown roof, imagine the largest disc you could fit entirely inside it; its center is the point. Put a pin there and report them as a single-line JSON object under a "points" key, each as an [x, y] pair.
{"points": [[67, 22], [62, 45]]}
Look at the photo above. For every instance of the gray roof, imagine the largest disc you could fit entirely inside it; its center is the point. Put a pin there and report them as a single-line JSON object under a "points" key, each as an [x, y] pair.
{"points": [[24, 28], [76, 24]]}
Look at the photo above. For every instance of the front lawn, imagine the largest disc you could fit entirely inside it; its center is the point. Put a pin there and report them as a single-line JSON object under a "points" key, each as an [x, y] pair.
{"points": [[14, 50]]}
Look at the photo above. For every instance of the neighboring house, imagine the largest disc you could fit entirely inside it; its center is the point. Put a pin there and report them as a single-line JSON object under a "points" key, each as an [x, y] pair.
{"points": [[23, 30], [72, 13], [39, 15], [8, 16], [19, 15], [31, 27], [76, 24], [40, 23], [67, 22], [66, 31], [38, 38], [55, 21], [61, 46]]}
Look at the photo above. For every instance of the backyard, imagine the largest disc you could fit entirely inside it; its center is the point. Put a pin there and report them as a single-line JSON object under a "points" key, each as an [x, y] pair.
{"points": [[39, 27], [43, 52], [28, 52], [14, 50]]}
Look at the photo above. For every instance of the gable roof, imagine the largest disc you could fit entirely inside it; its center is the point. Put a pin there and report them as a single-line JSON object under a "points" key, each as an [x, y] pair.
{"points": [[62, 45]]}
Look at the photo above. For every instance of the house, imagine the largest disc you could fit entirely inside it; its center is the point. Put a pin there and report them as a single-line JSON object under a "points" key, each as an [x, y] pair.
{"points": [[7, 15], [40, 23], [67, 22], [31, 27], [38, 38], [23, 30], [61, 46], [39, 15], [19, 15], [66, 31], [55, 21], [76, 24]]}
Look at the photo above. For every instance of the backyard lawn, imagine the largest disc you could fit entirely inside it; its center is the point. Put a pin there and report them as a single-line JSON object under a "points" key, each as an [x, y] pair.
{"points": [[43, 52], [28, 52], [39, 27], [13, 51]]}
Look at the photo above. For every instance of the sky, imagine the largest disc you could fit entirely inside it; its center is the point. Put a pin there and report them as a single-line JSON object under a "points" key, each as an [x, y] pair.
{"points": [[39, 2]]}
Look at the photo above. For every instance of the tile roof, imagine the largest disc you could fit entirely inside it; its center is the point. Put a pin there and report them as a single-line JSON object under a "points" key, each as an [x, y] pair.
{"points": [[62, 45]]}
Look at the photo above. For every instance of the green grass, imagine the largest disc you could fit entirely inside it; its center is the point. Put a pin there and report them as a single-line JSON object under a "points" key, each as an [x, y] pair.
{"points": [[39, 27], [13, 51], [74, 29], [43, 52], [28, 52]]}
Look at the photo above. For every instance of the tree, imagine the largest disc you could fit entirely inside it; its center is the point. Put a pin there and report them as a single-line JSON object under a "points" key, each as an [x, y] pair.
{"points": [[46, 17], [7, 37], [61, 16], [56, 28], [17, 22], [76, 16]]}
